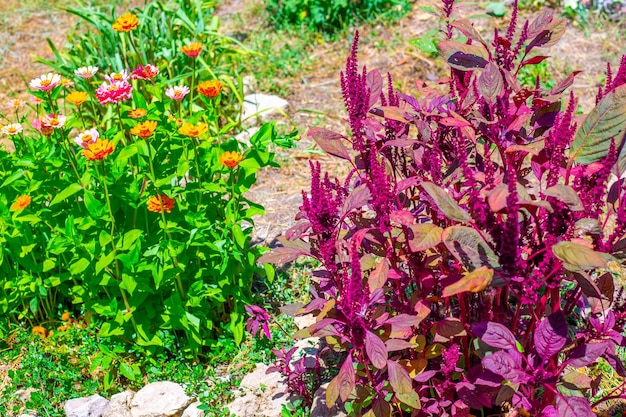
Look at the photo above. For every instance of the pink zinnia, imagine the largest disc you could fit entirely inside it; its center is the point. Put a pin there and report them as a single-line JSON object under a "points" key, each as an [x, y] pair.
{"points": [[177, 92], [42, 128], [87, 137], [114, 92], [54, 121], [46, 82], [145, 73]]}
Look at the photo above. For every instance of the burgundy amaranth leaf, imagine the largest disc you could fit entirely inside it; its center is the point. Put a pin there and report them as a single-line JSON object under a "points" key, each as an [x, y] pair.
{"points": [[573, 407], [495, 334], [343, 384], [376, 350], [501, 363], [551, 335], [331, 142]]}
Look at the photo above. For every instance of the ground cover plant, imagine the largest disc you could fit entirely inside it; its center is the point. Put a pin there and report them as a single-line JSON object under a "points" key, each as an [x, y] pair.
{"points": [[332, 16], [472, 262], [122, 188]]}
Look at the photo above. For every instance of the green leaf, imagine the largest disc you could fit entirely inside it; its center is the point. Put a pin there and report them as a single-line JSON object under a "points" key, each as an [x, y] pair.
{"points": [[11, 178], [567, 195], [79, 266], [497, 9], [576, 257], [104, 261], [129, 238], [127, 371], [469, 248], [475, 281], [424, 236], [607, 121], [445, 203], [67, 192]]}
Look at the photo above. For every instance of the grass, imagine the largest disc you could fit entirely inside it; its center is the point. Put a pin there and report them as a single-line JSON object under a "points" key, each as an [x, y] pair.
{"points": [[39, 374]]}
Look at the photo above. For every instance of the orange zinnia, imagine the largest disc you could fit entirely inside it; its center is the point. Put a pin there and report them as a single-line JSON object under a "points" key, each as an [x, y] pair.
{"points": [[210, 88], [231, 159], [42, 332], [98, 150], [137, 113], [21, 203], [144, 130], [192, 50], [160, 203], [126, 23], [66, 316], [77, 97], [192, 131]]}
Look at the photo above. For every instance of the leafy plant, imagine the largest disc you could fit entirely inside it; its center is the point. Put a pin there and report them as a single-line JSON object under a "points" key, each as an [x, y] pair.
{"points": [[135, 216], [330, 16], [473, 259]]}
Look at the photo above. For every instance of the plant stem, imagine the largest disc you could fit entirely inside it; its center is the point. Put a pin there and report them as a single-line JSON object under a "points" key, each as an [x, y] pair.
{"points": [[193, 85]]}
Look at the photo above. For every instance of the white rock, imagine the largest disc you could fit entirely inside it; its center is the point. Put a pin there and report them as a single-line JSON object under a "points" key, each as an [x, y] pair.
{"points": [[85, 407], [319, 407], [266, 394], [304, 321], [159, 399], [119, 405], [308, 349], [260, 380], [261, 105], [193, 410]]}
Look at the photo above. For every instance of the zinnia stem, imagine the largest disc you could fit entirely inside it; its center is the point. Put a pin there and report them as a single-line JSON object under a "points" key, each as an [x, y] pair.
{"points": [[195, 153], [193, 85]]}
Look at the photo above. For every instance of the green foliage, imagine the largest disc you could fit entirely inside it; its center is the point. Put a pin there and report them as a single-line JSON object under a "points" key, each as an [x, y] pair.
{"points": [[331, 16], [165, 27], [97, 236]]}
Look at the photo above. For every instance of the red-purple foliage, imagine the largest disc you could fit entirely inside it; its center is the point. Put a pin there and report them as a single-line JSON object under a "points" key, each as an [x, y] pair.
{"points": [[474, 258]]}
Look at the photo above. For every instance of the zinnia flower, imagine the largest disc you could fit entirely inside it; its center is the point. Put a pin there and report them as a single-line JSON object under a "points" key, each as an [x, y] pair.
{"points": [[177, 92], [42, 332], [54, 121], [67, 83], [126, 23], [21, 203], [86, 72], [46, 82], [161, 203], [66, 316], [87, 137], [230, 159], [98, 150], [192, 131], [77, 97], [114, 93], [192, 50], [15, 103], [42, 128], [145, 73], [144, 130], [210, 88], [137, 113], [12, 129], [117, 76]]}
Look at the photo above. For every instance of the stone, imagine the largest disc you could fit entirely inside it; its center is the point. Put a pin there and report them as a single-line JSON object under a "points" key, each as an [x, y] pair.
{"points": [[261, 105], [86, 407], [319, 408], [308, 349], [119, 405], [25, 394], [193, 410], [304, 321], [264, 395], [159, 399]]}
